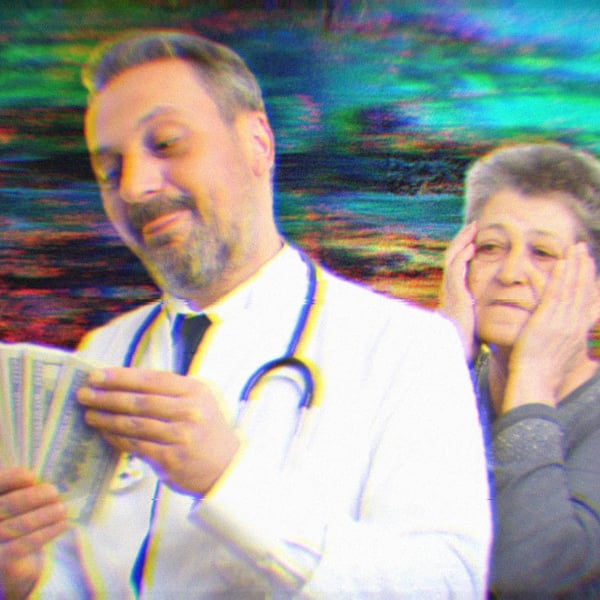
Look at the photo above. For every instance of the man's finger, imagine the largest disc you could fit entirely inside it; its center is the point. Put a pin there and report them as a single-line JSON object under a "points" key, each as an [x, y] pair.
{"points": [[15, 478], [24, 500], [140, 380]]}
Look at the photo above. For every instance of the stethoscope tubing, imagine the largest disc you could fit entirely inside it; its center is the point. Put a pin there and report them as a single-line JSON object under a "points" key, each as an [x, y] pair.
{"points": [[287, 360]]}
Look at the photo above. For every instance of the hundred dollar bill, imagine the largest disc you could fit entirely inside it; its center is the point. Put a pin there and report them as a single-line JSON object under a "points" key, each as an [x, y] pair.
{"points": [[42, 366], [72, 455], [12, 385], [7, 437]]}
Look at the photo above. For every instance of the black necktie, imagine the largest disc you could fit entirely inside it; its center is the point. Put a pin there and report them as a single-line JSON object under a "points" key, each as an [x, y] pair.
{"points": [[188, 331]]}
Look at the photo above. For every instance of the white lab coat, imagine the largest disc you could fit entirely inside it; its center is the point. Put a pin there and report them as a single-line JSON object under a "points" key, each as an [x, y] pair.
{"points": [[380, 491]]}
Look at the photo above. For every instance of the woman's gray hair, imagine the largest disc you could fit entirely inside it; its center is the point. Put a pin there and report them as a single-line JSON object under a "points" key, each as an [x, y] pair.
{"points": [[224, 74], [544, 169]]}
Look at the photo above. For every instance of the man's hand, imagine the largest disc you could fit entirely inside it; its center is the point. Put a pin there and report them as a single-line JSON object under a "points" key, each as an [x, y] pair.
{"points": [[554, 339], [171, 421], [31, 515], [456, 301]]}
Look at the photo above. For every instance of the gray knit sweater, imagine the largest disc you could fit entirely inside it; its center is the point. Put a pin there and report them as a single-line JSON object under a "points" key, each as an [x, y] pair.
{"points": [[545, 474]]}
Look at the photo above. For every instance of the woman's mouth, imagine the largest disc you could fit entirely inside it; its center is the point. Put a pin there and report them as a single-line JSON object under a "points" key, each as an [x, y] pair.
{"points": [[517, 304]]}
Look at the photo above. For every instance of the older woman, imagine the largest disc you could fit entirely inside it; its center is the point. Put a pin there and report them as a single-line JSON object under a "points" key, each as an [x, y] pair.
{"points": [[521, 284]]}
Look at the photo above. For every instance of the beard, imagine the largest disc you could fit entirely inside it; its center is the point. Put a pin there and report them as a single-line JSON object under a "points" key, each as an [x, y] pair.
{"points": [[179, 266]]}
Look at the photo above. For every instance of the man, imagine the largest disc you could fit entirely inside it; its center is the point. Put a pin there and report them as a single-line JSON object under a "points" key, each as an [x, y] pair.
{"points": [[376, 488]]}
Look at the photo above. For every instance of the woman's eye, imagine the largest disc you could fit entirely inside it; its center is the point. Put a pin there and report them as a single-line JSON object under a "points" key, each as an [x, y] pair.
{"points": [[545, 254], [488, 249]]}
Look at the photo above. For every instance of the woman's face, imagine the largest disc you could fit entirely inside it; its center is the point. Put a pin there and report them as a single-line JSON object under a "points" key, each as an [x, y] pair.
{"points": [[519, 241]]}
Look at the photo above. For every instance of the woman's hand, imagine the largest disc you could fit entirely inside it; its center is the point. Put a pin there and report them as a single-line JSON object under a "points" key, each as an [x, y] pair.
{"points": [[553, 342], [456, 301]]}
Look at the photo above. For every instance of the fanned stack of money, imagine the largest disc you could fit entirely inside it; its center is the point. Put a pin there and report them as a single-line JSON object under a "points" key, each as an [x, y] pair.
{"points": [[42, 425]]}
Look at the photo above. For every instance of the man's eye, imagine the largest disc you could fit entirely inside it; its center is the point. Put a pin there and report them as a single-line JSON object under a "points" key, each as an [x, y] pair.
{"points": [[108, 178], [163, 145], [107, 170]]}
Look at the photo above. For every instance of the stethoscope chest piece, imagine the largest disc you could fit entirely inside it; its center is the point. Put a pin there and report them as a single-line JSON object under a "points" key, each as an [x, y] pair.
{"points": [[130, 473]]}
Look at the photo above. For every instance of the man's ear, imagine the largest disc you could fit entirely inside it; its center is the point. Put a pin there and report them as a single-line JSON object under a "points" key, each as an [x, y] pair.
{"points": [[261, 142]]}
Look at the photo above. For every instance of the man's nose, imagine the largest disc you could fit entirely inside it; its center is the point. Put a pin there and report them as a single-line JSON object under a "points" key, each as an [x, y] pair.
{"points": [[141, 177]]}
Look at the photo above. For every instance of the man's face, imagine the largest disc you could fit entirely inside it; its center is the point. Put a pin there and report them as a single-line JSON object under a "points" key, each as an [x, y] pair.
{"points": [[187, 192]]}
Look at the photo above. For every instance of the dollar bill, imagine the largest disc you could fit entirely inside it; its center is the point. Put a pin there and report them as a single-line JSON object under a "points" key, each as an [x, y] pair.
{"points": [[42, 425], [72, 455], [12, 385], [7, 436], [41, 371]]}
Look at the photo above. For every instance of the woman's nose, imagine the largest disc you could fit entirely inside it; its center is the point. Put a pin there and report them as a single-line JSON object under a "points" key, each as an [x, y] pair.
{"points": [[513, 268]]}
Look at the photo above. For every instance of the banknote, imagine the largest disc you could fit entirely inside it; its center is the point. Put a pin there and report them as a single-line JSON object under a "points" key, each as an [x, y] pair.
{"points": [[42, 426], [72, 455], [7, 437], [41, 370], [12, 382]]}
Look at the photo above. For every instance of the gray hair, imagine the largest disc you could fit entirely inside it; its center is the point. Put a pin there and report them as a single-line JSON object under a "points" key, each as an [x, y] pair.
{"points": [[538, 170], [226, 77]]}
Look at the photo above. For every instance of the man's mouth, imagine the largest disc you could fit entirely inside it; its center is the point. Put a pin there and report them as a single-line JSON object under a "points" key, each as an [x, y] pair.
{"points": [[159, 216], [162, 224]]}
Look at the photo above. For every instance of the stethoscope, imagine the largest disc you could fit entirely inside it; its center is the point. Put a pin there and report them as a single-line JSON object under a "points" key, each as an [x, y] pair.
{"points": [[132, 473], [287, 361]]}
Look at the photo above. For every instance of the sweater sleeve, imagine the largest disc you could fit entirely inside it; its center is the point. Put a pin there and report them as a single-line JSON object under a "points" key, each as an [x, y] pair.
{"points": [[547, 503]]}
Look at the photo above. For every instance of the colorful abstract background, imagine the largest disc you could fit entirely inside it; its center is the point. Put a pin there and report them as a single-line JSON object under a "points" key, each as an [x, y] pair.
{"points": [[378, 108]]}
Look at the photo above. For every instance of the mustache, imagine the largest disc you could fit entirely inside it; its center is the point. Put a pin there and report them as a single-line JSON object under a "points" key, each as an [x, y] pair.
{"points": [[140, 214]]}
